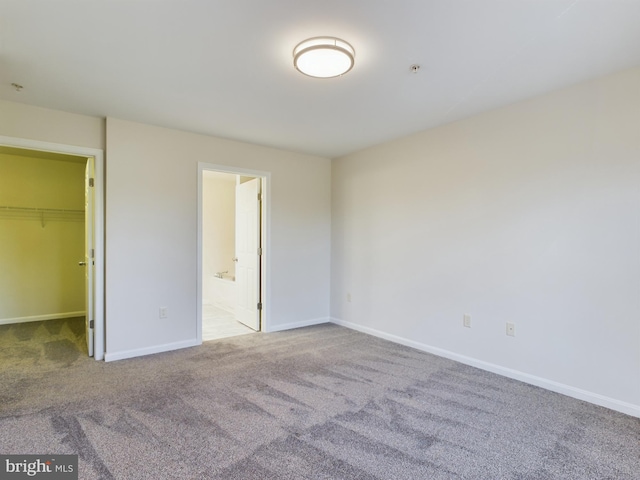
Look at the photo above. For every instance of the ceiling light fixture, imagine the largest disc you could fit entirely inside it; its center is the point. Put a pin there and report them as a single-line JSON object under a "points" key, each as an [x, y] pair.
{"points": [[323, 57]]}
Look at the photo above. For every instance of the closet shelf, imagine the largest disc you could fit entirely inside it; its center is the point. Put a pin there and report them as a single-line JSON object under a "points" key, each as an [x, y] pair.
{"points": [[42, 214]]}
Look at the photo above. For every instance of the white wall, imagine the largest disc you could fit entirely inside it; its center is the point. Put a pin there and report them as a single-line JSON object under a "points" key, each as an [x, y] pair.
{"points": [[151, 222], [151, 233], [528, 214], [39, 274], [218, 228], [44, 125]]}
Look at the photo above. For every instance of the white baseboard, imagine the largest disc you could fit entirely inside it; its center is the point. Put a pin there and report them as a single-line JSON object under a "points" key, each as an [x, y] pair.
{"points": [[37, 318], [595, 398], [290, 326], [139, 352]]}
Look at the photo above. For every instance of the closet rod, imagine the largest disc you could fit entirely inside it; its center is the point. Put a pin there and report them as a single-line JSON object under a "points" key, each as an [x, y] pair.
{"points": [[40, 210]]}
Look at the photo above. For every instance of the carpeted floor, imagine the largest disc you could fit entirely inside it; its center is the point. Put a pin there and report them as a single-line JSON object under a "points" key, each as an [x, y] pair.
{"points": [[321, 402], [46, 343]]}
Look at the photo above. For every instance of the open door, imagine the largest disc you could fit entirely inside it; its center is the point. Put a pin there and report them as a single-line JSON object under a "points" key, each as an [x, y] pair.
{"points": [[93, 261], [248, 253], [89, 252]]}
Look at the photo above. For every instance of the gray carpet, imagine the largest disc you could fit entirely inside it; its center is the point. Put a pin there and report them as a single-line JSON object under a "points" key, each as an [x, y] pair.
{"points": [[50, 344], [321, 402]]}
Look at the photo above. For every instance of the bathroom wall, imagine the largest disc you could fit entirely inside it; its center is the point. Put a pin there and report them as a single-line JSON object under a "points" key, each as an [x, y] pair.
{"points": [[218, 229], [39, 273]]}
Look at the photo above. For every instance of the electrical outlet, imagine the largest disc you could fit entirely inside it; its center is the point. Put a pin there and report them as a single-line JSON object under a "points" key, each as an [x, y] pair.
{"points": [[466, 320], [349, 297], [163, 312], [511, 329]]}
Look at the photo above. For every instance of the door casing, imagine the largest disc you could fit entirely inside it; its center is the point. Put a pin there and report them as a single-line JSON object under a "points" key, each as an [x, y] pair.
{"points": [[264, 238], [98, 218]]}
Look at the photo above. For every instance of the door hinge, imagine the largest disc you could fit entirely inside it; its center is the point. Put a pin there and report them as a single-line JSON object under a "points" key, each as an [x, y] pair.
{"points": [[90, 323], [259, 250], [91, 182], [259, 197], [260, 306], [93, 253]]}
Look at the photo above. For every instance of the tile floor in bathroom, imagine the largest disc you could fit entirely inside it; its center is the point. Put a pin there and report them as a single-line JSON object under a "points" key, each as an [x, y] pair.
{"points": [[218, 323]]}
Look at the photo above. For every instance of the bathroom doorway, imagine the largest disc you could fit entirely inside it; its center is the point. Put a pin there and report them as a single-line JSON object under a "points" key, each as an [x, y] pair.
{"points": [[231, 232]]}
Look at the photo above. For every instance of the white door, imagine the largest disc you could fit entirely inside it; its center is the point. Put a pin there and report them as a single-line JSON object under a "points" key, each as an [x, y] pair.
{"points": [[247, 253], [89, 251]]}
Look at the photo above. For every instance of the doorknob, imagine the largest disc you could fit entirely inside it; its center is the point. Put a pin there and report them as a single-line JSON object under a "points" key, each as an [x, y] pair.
{"points": [[235, 259], [82, 264]]}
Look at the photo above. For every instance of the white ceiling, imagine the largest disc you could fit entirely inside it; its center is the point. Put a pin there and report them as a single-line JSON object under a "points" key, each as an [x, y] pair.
{"points": [[224, 67]]}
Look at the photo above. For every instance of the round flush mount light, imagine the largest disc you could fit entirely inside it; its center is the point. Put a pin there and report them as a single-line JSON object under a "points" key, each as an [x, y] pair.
{"points": [[323, 57]]}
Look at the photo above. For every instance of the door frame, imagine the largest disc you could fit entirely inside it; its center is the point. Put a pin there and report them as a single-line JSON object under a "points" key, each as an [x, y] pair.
{"points": [[265, 261], [98, 218]]}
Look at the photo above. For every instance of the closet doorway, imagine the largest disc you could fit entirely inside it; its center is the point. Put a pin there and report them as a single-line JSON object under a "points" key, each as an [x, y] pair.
{"points": [[231, 234], [51, 207]]}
